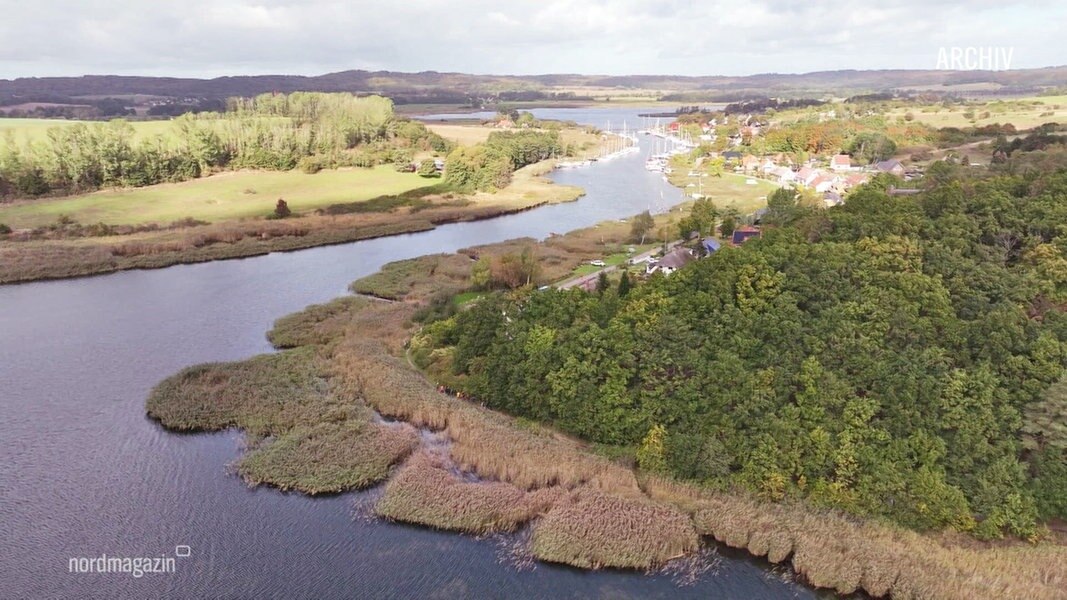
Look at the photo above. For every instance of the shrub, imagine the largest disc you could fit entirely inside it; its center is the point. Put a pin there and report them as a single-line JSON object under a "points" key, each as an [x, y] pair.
{"points": [[428, 168], [281, 210]]}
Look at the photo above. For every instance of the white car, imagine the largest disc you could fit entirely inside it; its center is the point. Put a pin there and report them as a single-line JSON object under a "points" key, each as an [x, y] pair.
{"points": [[598, 263]]}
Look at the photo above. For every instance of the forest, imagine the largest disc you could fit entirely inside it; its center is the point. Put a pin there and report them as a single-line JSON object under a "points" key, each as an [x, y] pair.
{"points": [[900, 358], [489, 165], [271, 131]]}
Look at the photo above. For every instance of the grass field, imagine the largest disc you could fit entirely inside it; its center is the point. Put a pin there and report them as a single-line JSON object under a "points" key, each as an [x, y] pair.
{"points": [[730, 190], [1024, 113], [464, 135], [35, 130], [217, 198]]}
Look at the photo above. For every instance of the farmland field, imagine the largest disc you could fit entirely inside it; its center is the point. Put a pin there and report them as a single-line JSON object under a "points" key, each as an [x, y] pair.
{"points": [[220, 197], [1024, 113], [33, 130]]}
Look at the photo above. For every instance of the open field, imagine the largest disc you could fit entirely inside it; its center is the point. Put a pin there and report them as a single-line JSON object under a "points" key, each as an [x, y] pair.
{"points": [[73, 257], [464, 135], [36, 130], [1023, 113], [221, 197], [728, 191]]}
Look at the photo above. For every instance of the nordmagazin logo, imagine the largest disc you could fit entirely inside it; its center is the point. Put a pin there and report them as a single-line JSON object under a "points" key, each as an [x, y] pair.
{"points": [[136, 566]]}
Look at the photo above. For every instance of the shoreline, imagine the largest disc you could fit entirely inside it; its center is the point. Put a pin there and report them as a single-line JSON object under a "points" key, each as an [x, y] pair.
{"points": [[321, 231]]}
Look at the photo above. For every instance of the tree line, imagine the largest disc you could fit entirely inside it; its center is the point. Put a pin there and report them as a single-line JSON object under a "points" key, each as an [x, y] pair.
{"points": [[271, 131], [489, 165]]}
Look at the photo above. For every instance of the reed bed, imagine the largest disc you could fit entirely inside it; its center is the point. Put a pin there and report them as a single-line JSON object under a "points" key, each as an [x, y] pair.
{"points": [[329, 458], [596, 530], [417, 277], [265, 395], [427, 492], [483, 441], [316, 324], [829, 549]]}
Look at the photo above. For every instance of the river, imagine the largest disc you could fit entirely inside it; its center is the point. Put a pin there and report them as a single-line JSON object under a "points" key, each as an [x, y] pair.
{"points": [[84, 473]]}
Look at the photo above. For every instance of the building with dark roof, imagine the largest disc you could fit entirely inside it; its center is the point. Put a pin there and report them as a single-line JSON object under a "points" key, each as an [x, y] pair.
{"points": [[743, 234]]}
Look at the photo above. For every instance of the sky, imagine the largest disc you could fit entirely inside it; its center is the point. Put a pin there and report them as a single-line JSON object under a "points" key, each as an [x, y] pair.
{"points": [[210, 38]]}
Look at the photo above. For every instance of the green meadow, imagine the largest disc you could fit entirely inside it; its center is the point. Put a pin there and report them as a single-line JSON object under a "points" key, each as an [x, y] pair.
{"points": [[221, 197], [36, 130]]}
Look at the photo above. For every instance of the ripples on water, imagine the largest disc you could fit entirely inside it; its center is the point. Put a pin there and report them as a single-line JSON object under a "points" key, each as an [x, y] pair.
{"points": [[85, 473]]}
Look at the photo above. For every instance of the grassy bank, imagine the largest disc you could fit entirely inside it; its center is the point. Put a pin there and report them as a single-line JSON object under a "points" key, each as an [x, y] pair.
{"points": [[727, 191], [405, 213], [221, 197]]}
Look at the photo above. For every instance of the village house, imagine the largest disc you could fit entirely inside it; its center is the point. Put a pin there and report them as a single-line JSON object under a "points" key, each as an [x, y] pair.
{"points": [[806, 175], [743, 234], [891, 166], [672, 261], [784, 175], [856, 179], [841, 162], [750, 162]]}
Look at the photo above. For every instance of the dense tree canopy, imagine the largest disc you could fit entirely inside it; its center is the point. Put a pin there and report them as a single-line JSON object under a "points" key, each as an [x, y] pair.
{"points": [[489, 165], [883, 360]]}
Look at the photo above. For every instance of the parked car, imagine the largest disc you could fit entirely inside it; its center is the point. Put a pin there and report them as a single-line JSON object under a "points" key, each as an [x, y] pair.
{"points": [[598, 263]]}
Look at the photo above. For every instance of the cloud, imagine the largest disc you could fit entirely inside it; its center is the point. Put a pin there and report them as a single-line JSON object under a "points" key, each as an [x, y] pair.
{"points": [[220, 37]]}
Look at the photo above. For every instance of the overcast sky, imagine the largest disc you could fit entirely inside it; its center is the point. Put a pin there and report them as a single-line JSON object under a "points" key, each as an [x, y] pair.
{"points": [[208, 38]]}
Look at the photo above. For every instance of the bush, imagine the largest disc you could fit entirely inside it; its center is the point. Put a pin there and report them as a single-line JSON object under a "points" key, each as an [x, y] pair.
{"points": [[281, 210], [4, 229], [312, 164], [428, 168]]}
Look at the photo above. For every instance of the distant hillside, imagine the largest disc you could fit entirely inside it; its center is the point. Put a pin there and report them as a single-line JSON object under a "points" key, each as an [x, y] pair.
{"points": [[434, 87]]}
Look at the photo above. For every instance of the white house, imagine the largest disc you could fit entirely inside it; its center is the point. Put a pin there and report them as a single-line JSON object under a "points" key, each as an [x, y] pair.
{"points": [[841, 162]]}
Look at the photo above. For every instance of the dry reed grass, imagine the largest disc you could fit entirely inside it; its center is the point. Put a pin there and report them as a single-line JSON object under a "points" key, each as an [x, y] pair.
{"points": [[483, 441], [596, 530], [831, 550], [329, 457], [417, 278], [427, 492], [265, 395], [316, 324]]}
